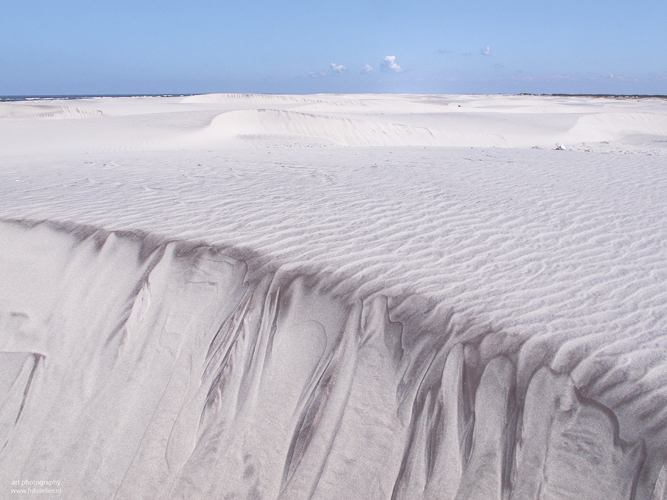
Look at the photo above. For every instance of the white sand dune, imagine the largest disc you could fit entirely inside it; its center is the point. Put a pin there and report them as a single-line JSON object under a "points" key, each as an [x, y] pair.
{"points": [[246, 296], [250, 120], [278, 125]]}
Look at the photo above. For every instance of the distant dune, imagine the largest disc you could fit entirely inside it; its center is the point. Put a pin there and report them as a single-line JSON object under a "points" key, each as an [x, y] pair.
{"points": [[252, 120], [334, 296]]}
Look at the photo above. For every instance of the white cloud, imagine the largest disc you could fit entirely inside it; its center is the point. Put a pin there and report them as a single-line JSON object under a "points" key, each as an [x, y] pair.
{"points": [[445, 51], [485, 51], [388, 65], [338, 69], [334, 69], [366, 70]]}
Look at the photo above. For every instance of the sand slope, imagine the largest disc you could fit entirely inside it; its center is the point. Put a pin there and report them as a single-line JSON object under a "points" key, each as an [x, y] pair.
{"points": [[220, 297]]}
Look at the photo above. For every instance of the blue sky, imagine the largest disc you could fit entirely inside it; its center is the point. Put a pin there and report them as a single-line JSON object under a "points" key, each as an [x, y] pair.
{"points": [[295, 46]]}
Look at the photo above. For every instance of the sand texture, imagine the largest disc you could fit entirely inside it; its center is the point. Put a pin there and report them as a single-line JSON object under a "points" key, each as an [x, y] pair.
{"points": [[334, 297]]}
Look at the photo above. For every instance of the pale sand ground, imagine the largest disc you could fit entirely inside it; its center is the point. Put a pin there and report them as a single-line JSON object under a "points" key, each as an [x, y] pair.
{"points": [[451, 308]]}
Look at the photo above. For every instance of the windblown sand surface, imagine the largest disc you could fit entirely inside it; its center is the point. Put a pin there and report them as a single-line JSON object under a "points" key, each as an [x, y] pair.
{"points": [[334, 296]]}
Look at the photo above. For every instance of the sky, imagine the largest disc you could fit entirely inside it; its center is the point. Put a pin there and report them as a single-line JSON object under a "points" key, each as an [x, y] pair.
{"points": [[349, 46]]}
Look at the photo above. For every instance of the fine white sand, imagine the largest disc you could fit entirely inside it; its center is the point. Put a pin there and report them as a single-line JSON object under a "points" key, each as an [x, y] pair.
{"points": [[334, 296]]}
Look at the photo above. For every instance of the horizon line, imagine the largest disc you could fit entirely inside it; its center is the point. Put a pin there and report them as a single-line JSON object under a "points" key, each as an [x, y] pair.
{"points": [[25, 97]]}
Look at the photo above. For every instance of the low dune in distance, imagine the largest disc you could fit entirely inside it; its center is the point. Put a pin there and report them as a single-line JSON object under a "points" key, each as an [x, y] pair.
{"points": [[334, 296], [250, 121]]}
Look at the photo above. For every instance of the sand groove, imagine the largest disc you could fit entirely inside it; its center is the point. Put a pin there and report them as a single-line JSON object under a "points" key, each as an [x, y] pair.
{"points": [[266, 380]]}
